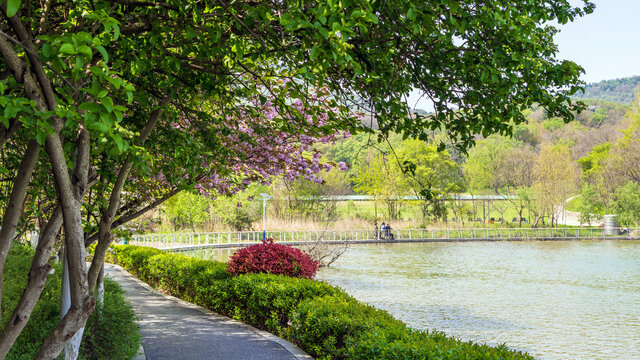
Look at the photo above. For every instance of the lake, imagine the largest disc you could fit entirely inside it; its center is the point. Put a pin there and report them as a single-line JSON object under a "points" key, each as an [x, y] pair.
{"points": [[555, 300]]}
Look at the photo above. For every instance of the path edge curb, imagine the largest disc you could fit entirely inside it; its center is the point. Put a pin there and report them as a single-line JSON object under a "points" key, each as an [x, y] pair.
{"points": [[291, 348]]}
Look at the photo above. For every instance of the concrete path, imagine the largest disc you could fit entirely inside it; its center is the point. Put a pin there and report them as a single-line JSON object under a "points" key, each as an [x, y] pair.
{"points": [[566, 217], [173, 329]]}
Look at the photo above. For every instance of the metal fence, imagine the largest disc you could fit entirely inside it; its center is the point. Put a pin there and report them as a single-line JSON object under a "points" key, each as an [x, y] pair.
{"points": [[234, 239]]}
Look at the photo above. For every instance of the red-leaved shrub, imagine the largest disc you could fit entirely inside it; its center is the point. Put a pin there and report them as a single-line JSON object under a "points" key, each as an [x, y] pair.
{"points": [[272, 258]]}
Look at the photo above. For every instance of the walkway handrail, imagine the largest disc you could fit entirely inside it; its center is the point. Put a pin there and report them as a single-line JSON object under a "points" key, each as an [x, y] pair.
{"points": [[183, 240]]}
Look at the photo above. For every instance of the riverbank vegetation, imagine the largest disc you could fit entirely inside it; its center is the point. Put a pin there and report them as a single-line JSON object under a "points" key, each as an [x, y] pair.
{"points": [[321, 319], [545, 163], [110, 333]]}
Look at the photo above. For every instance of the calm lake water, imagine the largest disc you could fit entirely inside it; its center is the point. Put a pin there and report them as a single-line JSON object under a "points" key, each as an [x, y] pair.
{"points": [[555, 300]]}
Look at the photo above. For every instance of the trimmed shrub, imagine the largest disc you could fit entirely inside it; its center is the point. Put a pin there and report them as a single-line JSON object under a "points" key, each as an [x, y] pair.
{"points": [[321, 319], [396, 344], [270, 258], [135, 258], [188, 279], [325, 325], [267, 301]]}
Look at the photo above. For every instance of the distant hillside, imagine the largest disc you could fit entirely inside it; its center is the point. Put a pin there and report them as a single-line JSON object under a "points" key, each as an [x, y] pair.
{"points": [[618, 90]]}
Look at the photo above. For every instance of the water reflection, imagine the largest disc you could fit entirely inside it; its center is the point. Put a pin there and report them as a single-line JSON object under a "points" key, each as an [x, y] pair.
{"points": [[556, 300]]}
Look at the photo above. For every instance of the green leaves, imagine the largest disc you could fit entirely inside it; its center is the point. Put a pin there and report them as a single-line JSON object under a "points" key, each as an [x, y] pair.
{"points": [[103, 52], [12, 7], [107, 102], [119, 142], [86, 51], [67, 48]]}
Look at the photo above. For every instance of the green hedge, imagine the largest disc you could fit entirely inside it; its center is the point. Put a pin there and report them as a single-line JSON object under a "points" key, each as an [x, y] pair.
{"points": [[110, 332], [321, 319]]}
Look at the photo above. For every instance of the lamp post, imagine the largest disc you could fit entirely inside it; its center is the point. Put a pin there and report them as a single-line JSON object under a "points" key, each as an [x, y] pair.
{"points": [[265, 197]]}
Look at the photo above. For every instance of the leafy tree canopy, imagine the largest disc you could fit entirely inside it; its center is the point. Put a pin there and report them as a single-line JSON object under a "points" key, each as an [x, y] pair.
{"points": [[627, 204], [145, 98]]}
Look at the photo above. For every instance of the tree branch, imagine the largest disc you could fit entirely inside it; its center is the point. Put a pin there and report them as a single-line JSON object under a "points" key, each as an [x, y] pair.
{"points": [[104, 227], [5, 134], [36, 65]]}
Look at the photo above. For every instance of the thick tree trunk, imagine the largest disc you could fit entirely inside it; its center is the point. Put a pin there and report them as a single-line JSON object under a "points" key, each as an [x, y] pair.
{"points": [[70, 194], [37, 278], [15, 205], [22, 73]]}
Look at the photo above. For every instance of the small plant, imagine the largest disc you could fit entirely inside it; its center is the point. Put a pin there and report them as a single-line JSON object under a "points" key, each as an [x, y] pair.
{"points": [[272, 258]]}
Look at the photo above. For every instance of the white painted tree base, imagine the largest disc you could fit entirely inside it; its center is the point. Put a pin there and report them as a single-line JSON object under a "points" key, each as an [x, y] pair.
{"points": [[72, 348]]}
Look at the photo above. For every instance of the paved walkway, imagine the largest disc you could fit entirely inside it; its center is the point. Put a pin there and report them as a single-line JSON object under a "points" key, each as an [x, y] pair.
{"points": [[173, 329]]}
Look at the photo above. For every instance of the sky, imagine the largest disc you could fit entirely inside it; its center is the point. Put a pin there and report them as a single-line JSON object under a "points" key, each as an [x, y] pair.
{"points": [[605, 43]]}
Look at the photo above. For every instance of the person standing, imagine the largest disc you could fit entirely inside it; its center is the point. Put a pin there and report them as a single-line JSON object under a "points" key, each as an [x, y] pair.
{"points": [[375, 230], [383, 228]]}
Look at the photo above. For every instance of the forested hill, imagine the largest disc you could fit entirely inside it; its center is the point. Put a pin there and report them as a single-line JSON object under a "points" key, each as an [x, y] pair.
{"points": [[618, 90]]}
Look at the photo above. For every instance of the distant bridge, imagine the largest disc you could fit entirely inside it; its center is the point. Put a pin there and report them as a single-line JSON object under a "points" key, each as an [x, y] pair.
{"points": [[194, 241], [456, 197]]}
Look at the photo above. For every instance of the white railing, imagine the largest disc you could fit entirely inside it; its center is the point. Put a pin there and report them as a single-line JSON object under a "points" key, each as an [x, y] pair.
{"points": [[180, 240]]}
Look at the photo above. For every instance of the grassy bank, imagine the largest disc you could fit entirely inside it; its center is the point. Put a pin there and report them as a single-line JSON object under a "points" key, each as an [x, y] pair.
{"points": [[321, 319], [110, 333]]}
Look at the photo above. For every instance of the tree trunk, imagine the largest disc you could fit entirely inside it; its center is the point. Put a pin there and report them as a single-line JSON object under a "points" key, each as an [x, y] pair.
{"points": [[37, 278], [520, 217], [100, 286], [538, 216], [6, 133], [70, 194], [375, 210], [75, 319], [16, 202], [72, 347]]}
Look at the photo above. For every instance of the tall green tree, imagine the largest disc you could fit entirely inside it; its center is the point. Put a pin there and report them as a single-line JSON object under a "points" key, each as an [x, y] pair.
{"points": [[483, 166], [186, 210], [627, 204], [589, 208], [433, 177], [556, 177], [380, 177], [599, 170]]}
